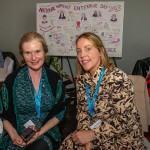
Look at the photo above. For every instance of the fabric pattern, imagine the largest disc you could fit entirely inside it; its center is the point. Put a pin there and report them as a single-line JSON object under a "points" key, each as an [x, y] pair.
{"points": [[23, 102], [120, 128]]}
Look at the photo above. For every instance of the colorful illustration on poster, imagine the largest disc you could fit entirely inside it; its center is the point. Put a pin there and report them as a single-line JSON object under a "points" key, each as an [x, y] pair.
{"points": [[61, 22]]}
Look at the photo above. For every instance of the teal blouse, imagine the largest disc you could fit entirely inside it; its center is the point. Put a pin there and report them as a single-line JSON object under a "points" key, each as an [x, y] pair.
{"points": [[22, 105]]}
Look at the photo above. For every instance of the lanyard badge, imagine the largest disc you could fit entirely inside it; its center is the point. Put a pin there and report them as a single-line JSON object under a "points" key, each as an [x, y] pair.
{"points": [[92, 103], [37, 98]]}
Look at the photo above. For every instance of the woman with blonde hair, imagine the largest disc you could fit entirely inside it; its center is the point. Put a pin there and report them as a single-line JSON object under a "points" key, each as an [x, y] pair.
{"points": [[106, 112], [32, 100]]}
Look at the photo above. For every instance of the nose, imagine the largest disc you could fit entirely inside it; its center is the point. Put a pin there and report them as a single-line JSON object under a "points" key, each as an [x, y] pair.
{"points": [[33, 57], [82, 54]]}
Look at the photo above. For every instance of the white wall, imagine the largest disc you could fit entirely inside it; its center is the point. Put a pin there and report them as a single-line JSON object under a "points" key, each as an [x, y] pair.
{"points": [[19, 16]]}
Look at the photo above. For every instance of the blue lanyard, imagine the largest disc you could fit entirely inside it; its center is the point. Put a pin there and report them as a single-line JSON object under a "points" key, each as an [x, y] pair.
{"points": [[37, 98], [92, 103]]}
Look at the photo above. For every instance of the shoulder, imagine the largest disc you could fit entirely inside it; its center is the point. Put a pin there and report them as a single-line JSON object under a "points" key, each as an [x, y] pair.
{"points": [[81, 81], [11, 77], [81, 78], [9, 81], [54, 80], [52, 74], [53, 77], [116, 73], [115, 76]]}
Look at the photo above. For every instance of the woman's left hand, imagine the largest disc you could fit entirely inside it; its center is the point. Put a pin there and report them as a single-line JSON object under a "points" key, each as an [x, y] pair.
{"points": [[82, 137], [35, 136]]}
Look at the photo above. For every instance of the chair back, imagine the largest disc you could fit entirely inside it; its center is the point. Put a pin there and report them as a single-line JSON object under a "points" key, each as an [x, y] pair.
{"points": [[142, 100], [8, 65], [7, 69]]}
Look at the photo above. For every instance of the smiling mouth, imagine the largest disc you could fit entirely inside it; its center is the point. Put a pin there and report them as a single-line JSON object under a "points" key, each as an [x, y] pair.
{"points": [[34, 63], [85, 62]]}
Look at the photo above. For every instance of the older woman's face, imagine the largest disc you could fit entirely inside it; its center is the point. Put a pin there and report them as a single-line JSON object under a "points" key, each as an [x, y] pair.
{"points": [[88, 55], [33, 54]]}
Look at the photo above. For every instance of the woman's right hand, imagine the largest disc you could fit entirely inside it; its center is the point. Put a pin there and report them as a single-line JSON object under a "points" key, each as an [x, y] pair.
{"points": [[17, 140], [83, 137], [88, 146]]}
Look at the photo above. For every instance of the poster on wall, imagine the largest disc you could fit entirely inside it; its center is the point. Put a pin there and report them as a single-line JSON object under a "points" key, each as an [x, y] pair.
{"points": [[62, 22]]}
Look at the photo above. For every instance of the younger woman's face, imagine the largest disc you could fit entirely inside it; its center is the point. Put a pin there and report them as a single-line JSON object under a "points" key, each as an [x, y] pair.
{"points": [[88, 55]]}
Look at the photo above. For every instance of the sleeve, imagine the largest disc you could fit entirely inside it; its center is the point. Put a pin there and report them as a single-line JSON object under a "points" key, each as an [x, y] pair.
{"points": [[6, 106], [7, 110], [125, 116], [3, 99], [82, 108], [60, 96], [59, 107]]}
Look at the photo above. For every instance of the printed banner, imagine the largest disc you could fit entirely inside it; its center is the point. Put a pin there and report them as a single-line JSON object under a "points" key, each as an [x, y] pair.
{"points": [[61, 23]]}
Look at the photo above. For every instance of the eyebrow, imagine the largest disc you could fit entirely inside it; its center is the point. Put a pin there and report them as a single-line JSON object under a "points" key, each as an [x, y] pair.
{"points": [[86, 46]]}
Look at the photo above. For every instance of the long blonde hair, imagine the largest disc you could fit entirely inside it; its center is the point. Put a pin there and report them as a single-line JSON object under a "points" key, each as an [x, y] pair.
{"points": [[97, 42]]}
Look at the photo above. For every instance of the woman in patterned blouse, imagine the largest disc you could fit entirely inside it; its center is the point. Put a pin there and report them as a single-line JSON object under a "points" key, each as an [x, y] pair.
{"points": [[106, 112], [32, 96]]}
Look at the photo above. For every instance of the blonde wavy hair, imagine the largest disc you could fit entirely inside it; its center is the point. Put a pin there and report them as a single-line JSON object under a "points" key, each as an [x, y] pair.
{"points": [[97, 43]]}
